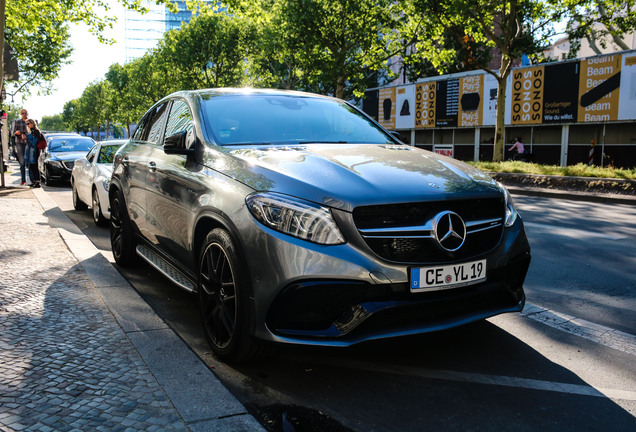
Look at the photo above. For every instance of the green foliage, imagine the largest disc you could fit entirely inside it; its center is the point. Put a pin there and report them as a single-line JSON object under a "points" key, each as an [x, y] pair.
{"points": [[578, 170], [601, 22], [53, 123]]}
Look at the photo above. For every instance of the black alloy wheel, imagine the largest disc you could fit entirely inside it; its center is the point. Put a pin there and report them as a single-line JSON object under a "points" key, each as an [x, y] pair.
{"points": [[122, 237], [98, 216], [223, 292]]}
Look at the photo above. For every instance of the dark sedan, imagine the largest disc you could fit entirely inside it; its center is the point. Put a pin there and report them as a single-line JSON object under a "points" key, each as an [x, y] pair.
{"points": [[56, 162]]}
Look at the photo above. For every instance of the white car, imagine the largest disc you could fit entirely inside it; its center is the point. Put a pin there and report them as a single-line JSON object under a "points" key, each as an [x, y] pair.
{"points": [[90, 179]]}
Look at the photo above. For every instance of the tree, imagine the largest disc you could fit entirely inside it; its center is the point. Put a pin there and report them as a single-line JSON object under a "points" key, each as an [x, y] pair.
{"points": [[52, 123], [38, 32], [324, 46], [601, 21], [510, 27], [209, 51]]}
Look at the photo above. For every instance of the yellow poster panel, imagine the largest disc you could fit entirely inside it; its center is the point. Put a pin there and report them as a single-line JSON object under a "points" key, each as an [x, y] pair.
{"points": [[527, 95], [471, 95], [387, 107], [599, 83], [425, 97]]}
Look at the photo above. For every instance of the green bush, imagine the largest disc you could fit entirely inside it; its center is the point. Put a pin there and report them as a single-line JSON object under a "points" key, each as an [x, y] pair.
{"points": [[578, 170]]}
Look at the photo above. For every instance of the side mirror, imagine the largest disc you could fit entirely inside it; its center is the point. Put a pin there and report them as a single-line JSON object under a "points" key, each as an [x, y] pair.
{"points": [[176, 144]]}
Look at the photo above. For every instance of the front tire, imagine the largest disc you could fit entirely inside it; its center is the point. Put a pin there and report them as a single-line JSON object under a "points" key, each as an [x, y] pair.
{"points": [[223, 289], [98, 216], [122, 236]]}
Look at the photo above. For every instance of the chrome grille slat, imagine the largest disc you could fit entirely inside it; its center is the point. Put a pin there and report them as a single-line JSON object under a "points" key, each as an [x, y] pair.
{"points": [[405, 233]]}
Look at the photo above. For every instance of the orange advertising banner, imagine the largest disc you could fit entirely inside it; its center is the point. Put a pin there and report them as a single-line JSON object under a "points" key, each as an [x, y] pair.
{"points": [[471, 89], [527, 95], [387, 107], [599, 88], [425, 104]]}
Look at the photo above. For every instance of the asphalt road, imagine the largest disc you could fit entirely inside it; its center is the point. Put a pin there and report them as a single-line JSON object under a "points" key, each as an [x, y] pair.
{"points": [[557, 370]]}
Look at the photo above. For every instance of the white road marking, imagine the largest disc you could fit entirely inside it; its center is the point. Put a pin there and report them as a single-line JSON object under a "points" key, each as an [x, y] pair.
{"points": [[609, 337], [504, 381], [574, 232]]}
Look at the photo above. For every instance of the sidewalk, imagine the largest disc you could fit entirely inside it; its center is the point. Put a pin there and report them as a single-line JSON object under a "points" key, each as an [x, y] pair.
{"points": [[79, 349]]}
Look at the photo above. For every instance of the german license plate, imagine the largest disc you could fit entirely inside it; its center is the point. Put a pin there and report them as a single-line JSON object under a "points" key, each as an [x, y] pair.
{"points": [[449, 276]]}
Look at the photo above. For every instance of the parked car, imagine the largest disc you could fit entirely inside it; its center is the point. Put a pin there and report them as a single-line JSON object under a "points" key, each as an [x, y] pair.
{"points": [[57, 160], [90, 179], [296, 218]]}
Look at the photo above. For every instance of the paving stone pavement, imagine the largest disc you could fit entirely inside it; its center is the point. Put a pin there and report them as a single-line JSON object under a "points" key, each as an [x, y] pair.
{"points": [[72, 357], [65, 364]]}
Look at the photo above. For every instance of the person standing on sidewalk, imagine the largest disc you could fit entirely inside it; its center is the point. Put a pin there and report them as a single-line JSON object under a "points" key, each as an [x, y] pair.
{"points": [[32, 152], [20, 134]]}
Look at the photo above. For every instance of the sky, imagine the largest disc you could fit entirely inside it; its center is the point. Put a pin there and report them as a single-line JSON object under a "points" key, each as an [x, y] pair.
{"points": [[89, 62]]}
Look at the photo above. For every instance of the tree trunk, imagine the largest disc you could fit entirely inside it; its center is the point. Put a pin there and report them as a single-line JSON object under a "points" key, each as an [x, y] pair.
{"points": [[500, 127]]}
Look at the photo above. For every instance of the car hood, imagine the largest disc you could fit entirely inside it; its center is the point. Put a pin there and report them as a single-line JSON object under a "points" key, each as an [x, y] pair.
{"points": [[349, 175], [65, 156]]}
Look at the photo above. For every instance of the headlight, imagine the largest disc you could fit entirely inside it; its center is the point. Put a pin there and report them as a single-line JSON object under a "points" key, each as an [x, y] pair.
{"points": [[511, 212], [295, 217]]}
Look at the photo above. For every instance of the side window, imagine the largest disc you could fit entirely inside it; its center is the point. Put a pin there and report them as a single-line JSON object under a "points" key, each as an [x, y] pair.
{"points": [[91, 154], [155, 124], [180, 118]]}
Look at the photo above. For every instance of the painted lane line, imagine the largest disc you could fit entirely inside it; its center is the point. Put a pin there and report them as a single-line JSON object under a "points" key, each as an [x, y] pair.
{"points": [[574, 232], [606, 336], [474, 378]]}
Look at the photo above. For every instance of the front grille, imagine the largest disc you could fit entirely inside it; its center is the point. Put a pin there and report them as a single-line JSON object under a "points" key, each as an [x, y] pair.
{"points": [[404, 232], [68, 165]]}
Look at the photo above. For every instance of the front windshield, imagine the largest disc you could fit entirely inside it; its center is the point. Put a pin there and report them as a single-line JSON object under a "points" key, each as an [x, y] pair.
{"points": [[287, 119], [70, 144]]}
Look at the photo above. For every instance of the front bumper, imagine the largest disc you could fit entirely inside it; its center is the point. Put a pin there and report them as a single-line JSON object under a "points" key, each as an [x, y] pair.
{"points": [[58, 171], [342, 295]]}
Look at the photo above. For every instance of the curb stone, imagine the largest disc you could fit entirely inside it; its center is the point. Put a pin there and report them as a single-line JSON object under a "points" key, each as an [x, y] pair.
{"points": [[108, 362]]}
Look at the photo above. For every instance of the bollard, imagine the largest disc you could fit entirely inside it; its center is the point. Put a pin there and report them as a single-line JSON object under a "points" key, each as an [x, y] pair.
{"points": [[590, 160]]}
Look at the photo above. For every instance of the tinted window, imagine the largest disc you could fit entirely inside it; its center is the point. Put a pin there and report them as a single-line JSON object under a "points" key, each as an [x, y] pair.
{"points": [[151, 126], [256, 119], [180, 118]]}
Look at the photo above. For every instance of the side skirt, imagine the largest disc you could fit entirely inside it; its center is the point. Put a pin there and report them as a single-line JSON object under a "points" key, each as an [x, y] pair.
{"points": [[166, 268]]}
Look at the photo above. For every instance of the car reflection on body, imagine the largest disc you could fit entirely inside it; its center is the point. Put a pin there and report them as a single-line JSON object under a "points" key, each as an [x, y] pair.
{"points": [[296, 218], [90, 179], [57, 160]]}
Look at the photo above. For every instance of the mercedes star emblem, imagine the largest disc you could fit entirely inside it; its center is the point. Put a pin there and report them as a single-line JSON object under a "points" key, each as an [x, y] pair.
{"points": [[449, 230]]}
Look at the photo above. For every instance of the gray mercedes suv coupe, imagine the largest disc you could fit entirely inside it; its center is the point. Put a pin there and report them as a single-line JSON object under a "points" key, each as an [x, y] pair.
{"points": [[296, 218]]}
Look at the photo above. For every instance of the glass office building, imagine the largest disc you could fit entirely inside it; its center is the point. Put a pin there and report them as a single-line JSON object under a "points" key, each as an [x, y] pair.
{"points": [[144, 31]]}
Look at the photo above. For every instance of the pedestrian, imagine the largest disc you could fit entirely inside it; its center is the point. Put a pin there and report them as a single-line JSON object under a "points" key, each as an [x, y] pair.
{"points": [[518, 145], [32, 152], [20, 134]]}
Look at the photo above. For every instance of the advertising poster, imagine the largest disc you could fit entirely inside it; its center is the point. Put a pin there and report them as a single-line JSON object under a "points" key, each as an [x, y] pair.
{"points": [[489, 114], [386, 107], [627, 108], [471, 100], [561, 92], [447, 103], [405, 107], [527, 95], [599, 83], [425, 99]]}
